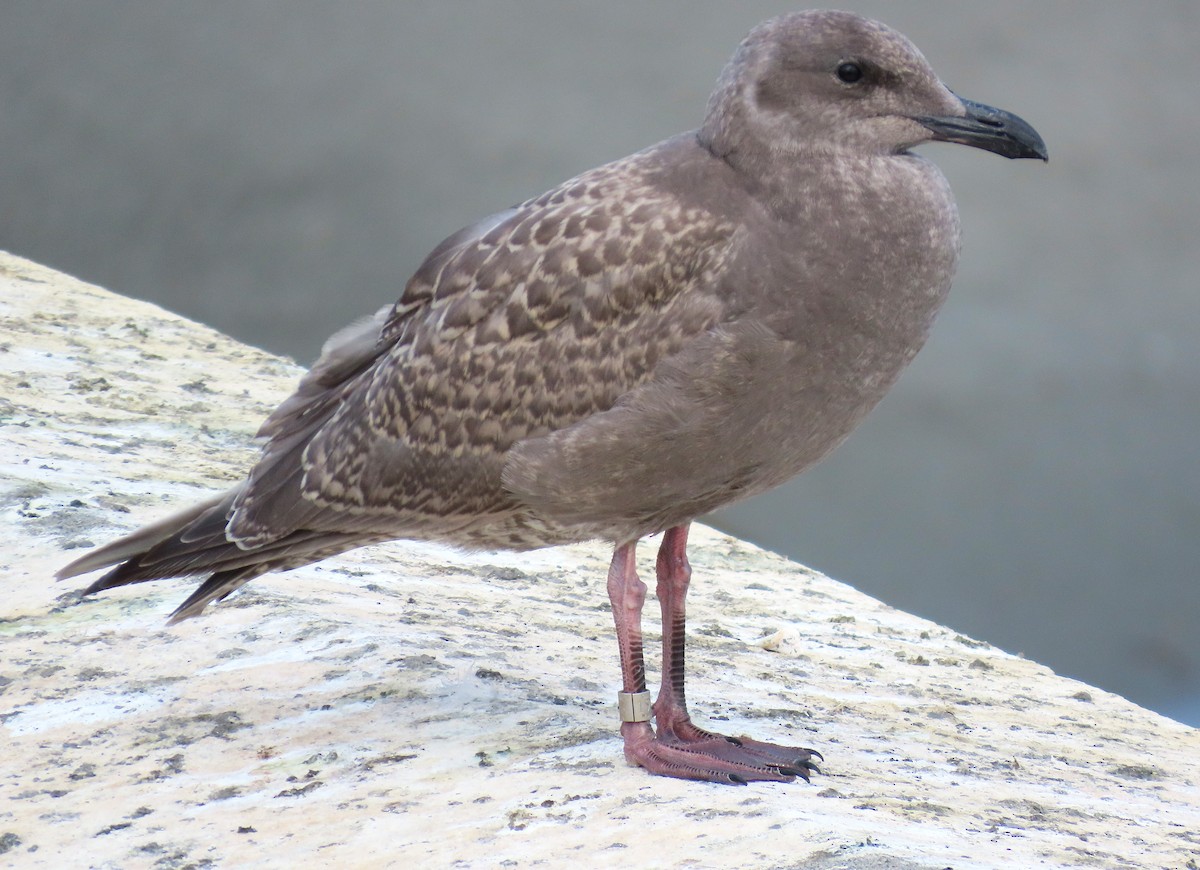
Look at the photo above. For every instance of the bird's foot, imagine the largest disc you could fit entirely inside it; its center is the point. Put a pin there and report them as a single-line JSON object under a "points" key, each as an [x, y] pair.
{"points": [[693, 753]]}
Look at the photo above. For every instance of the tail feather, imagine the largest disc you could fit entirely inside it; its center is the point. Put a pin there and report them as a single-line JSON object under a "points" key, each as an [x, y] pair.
{"points": [[215, 588], [278, 534], [193, 542], [144, 539], [171, 558], [313, 548]]}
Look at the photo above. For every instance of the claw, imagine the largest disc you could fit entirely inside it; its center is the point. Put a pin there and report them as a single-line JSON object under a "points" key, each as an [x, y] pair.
{"points": [[803, 770]]}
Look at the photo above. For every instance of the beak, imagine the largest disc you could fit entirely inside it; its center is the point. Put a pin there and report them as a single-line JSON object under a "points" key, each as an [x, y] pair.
{"points": [[990, 129]]}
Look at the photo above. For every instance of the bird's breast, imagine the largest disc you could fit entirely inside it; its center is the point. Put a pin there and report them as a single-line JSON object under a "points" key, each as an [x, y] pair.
{"points": [[858, 272], [865, 259]]}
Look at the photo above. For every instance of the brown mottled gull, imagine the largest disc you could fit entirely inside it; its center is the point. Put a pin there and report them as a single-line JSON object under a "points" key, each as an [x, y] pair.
{"points": [[653, 339]]}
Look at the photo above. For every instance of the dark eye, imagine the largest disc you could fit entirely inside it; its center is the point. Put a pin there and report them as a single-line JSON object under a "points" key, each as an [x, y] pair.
{"points": [[849, 72]]}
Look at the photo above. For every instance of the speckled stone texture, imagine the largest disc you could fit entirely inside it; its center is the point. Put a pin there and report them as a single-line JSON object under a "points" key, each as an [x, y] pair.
{"points": [[415, 706]]}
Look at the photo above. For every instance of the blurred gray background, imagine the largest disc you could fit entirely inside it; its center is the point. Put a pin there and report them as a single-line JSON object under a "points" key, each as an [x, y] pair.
{"points": [[277, 168]]}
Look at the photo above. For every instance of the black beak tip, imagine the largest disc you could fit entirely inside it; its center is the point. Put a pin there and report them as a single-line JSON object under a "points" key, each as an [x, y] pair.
{"points": [[1031, 152], [1026, 141], [990, 129]]}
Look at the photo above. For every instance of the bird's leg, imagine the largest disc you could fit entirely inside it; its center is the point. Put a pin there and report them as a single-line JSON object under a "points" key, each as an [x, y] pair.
{"points": [[674, 576], [627, 594], [681, 749]]}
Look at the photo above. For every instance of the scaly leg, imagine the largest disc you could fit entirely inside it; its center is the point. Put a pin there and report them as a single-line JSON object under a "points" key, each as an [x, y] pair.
{"points": [[627, 593], [681, 749]]}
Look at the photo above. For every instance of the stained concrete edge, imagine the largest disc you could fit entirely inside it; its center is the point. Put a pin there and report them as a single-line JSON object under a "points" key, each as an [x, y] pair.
{"points": [[411, 704]]}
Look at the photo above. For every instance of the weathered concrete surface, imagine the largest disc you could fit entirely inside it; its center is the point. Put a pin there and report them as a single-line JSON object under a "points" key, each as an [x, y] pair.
{"points": [[414, 706]]}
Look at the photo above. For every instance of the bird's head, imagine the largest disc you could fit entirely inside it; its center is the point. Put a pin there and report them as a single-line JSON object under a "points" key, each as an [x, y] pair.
{"points": [[814, 83]]}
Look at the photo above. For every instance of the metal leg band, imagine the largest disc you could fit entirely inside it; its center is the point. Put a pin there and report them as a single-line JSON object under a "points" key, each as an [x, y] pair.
{"points": [[634, 706]]}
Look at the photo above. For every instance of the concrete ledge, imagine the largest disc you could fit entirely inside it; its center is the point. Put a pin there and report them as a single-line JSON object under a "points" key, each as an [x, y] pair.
{"points": [[408, 704]]}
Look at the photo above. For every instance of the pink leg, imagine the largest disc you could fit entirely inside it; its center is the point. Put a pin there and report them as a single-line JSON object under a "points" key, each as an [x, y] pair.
{"points": [[681, 749], [627, 594]]}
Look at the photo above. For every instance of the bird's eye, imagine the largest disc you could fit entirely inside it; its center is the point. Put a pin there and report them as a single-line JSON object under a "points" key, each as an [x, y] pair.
{"points": [[849, 72]]}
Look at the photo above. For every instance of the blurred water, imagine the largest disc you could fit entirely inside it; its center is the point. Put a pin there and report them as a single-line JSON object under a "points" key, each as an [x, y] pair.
{"points": [[276, 169]]}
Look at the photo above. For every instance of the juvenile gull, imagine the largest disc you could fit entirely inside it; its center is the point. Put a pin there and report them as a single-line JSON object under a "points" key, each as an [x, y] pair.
{"points": [[651, 340]]}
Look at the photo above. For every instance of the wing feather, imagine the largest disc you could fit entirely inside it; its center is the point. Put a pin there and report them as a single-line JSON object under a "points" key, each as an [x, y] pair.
{"points": [[520, 325]]}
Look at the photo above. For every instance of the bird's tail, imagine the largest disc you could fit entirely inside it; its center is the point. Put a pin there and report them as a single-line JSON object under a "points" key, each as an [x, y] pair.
{"points": [[193, 542]]}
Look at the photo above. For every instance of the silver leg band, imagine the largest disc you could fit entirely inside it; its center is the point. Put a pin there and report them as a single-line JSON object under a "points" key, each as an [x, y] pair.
{"points": [[634, 706]]}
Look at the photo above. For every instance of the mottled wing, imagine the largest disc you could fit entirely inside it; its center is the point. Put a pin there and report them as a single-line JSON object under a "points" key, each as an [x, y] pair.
{"points": [[702, 440], [524, 324]]}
